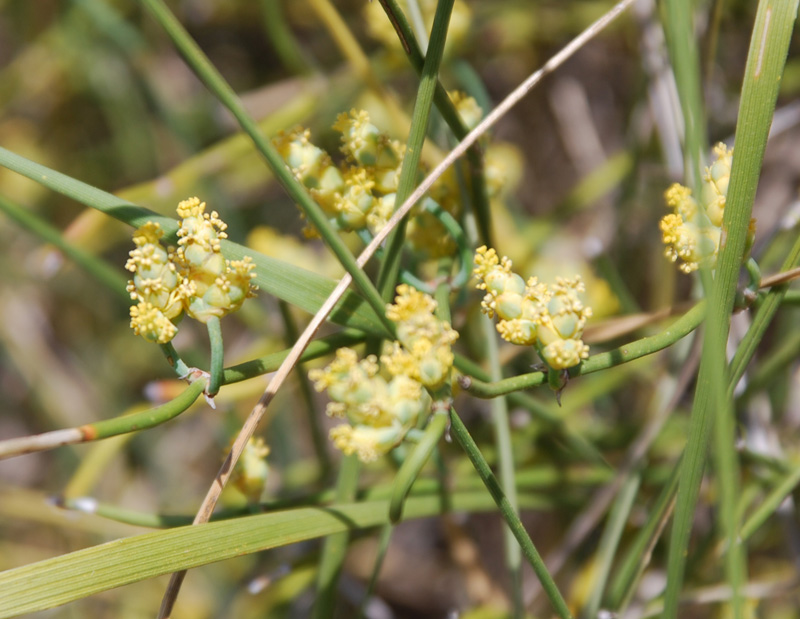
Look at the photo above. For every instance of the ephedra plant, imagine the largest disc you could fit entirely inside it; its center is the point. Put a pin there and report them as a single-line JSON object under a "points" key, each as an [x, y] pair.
{"points": [[437, 346]]}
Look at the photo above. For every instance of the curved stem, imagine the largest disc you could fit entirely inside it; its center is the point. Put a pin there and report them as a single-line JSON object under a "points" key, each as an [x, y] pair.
{"points": [[601, 361], [174, 360], [104, 429], [413, 464], [216, 372], [466, 441]]}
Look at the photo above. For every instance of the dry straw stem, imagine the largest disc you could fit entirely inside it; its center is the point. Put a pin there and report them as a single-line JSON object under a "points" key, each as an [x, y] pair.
{"points": [[250, 425]]}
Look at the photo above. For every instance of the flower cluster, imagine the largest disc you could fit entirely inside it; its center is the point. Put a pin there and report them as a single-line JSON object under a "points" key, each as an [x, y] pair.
{"points": [[196, 278], [359, 194], [382, 407], [251, 471], [692, 232], [532, 313]]}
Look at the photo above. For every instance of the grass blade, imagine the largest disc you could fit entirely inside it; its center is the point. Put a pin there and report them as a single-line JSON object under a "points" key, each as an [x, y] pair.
{"points": [[768, 49]]}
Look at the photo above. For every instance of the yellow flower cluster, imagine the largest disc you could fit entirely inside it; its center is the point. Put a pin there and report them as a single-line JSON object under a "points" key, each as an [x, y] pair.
{"points": [[251, 471], [196, 278], [692, 232], [381, 409], [360, 193], [532, 313]]}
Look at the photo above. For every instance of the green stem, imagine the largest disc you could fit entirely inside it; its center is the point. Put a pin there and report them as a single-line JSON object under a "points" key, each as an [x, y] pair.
{"points": [[770, 504], [209, 75], [601, 361], [466, 441], [747, 347], [334, 548], [480, 198], [505, 457], [174, 359], [269, 363], [413, 464], [390, 267], [280, 35], [215, 371]]}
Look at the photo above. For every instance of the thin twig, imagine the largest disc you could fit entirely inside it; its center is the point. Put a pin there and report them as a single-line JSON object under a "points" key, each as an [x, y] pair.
{"points": [[250, 425]]}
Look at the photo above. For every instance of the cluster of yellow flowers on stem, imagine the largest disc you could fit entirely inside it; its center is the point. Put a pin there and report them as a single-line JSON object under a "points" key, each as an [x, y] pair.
{"points": [[359, 194], [382, 407], [552, 318], [692, 232], [251, 471], [195, 278]]}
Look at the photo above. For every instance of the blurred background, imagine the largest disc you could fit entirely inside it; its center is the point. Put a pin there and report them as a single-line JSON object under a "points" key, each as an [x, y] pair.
{"points": [[94, 89]]}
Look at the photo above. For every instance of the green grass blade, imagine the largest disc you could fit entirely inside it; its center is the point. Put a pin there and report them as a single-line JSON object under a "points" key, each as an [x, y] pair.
{"points": [[60, 580], [294, 285], [679, 30], [765, 62], [638, 556], [111, 278]]}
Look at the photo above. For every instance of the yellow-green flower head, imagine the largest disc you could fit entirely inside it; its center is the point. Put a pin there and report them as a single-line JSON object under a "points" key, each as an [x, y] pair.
{"points": [[694, 246], [151, 323], [566, 315], [467, 107], [199, 237], [693, 231], [251, 471], [381, 212], [425, 354], [307, 161], [715, 186], [564, 354], [379, 412], [351, 384], [550, 317], [367, 442], [354, 204], [218, 295], [156, 285], [360, 138]]}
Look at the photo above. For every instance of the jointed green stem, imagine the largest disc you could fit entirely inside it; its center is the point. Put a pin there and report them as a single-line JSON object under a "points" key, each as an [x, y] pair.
{"points": [[747, 347], [419, 125], [601, 361], [480, 199], [466, 441], [174, 359], [200, 64], [505, 457], [413, 464]]}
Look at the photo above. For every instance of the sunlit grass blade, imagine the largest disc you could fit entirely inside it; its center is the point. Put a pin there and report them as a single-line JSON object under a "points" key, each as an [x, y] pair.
{"points": [[768, 48], [76, 575]]}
